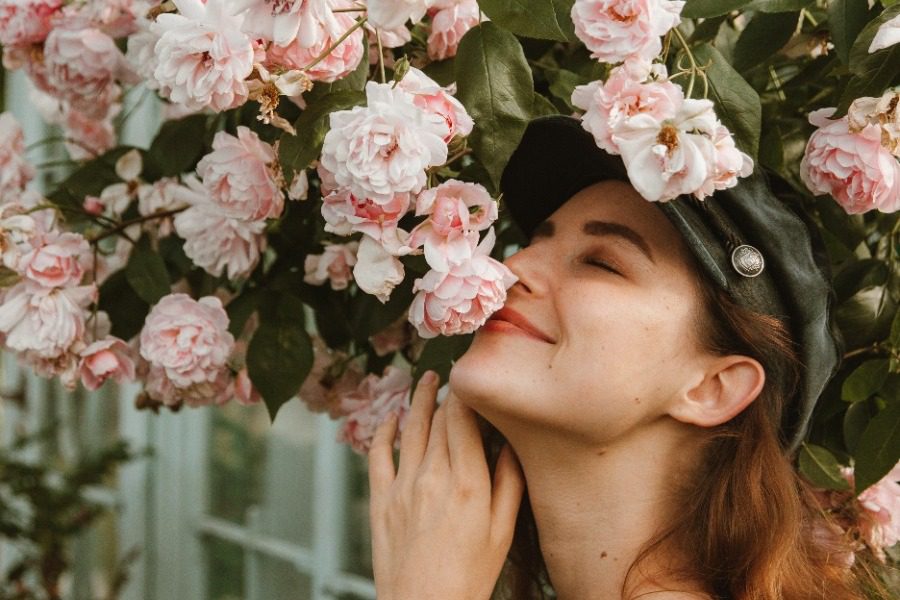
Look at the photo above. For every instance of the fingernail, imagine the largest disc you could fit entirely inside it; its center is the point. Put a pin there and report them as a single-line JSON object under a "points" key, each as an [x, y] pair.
{"points": [[429, 377]]}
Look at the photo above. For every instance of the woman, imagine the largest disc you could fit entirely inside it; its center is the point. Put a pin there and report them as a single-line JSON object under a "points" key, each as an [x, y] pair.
{"points": [[653, 370]]}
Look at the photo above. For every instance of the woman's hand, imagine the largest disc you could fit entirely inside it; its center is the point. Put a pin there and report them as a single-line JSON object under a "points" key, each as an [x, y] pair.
{"points": [[440, 528]]}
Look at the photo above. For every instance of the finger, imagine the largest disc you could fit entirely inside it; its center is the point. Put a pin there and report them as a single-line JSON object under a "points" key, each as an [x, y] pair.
{"points": [[506, 496], [464, 437], [414, 438], [381, 458], [437, 452]]}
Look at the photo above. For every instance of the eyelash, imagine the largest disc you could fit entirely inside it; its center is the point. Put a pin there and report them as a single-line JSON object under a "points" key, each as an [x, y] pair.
{"points": [[594, 262]]}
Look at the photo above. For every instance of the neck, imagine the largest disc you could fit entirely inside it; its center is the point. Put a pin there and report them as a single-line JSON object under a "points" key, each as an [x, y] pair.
{"points": [[597, 507]]}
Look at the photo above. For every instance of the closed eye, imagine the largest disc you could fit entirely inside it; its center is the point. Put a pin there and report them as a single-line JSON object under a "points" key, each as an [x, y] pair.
{"points": [[596, 262]]}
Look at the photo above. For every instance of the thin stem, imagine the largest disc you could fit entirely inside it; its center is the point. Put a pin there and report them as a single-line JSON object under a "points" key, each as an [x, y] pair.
{"points": [[687, 51], [336, 43], [348, 10], [380, 56], [56, 163], [121, 227]]}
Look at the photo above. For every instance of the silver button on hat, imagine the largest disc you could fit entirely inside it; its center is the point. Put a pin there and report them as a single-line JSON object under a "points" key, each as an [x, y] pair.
{"points": [[747, 260]]}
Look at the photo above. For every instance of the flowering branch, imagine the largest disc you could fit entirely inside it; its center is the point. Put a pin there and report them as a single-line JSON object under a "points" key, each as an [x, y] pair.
{"points": [[335, 44], [121, 227]]}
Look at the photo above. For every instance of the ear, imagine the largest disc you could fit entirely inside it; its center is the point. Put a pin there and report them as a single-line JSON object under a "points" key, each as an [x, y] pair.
{"points": [[729, 385]]}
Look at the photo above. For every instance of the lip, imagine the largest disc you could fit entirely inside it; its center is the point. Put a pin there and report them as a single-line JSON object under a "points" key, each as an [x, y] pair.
{"points": [[508, 315]]}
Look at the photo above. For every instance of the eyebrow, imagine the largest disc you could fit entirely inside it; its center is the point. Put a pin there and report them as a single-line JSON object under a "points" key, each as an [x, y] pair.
{"points": [[599, 229]]}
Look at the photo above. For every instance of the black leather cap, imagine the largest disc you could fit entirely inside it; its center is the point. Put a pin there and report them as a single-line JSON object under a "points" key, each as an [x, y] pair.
{"points": [[557, 158]]}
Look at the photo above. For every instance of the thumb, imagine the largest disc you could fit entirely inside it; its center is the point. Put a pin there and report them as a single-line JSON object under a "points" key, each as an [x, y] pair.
{"points": [[506, 496]]}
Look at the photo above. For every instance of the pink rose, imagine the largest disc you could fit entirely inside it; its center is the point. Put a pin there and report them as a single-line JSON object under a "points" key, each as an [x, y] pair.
{"points": [[239, 176], [729, 164], [333, 375], [623, 95], [670, 156], [879, 520], [883, 112], [455, 209], [15, 171], [618, 30], [448, 26], [344, 214], [82, 67], [393, 14], [188, 339], [394, 337], [333, 265], [371, 403], [87, 137], [460, 300], [17, 232], [383, 149], [855, 168], [377, 271], [105, 359], [44, 321], [160, 387], [435, 100], [284, 22], [26, 22], [162, 195], [58, 260], [203, 57], [303, 50]]}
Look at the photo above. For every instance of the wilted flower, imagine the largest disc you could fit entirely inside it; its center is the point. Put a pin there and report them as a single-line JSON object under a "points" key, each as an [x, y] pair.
{"points": [[460, 300], [188, 339], [333, 375], [383, 149], [619, 30], [854, 167], [15, 172], [377, 271], [333, 265], [883, 112], [374, 400]]}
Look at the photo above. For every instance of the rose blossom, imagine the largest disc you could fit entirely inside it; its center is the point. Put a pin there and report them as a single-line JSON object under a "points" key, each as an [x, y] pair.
{"points": [[324, 32], [344, 214], [393, 14], [435, 100], [623, 95], [455, 209], [219, 244], [395, 336], [729, 164], [45, 321], [879, 522], [670, 156], [887, 35], [17, 230], [239, 176], [333, 375], [217, 391], [58, 261], [883, 112], [82, 66], [15, 172], [383, 149], [617, 30], [333, 265], [373, 401], [87, 137], [377, 271], [162, 195], [448, 26], [460, 300], [26, 22], [187, 338], [105, 359], [203, 56], [286, 21], [854, 168]]}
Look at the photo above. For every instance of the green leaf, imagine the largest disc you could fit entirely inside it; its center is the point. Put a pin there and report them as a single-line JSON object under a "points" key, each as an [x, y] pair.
{"points": [[820, 468], [859, 52], [846, 18], [296, 151], [879, 449], [125, 308], [542, 106], [710, 8], [542, 19], [859, 319], [146, 272], [280, 355], [494, 84], [865, 380], [562, 83], [241, 308], [737, 103], [440, 353], [856, 419], [777, 6], [179, 145], [872, 73], [764, 35]]}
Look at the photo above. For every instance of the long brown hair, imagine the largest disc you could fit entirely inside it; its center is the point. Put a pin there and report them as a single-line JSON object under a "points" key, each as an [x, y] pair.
{"points": [[748, 526]]}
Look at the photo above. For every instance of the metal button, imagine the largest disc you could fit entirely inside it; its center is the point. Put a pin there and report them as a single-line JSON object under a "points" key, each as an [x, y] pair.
{"points": [[747, 260]]}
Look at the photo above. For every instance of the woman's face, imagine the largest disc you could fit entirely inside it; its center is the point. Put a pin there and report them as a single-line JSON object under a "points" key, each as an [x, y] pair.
{"points": [[608, 290]]}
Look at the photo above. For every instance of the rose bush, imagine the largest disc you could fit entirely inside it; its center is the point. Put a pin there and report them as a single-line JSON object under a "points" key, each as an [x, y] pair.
{"points": [[332, 167]]}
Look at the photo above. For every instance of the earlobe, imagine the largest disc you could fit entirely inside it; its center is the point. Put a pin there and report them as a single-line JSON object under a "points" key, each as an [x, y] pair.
{"points": [[729, 386]]}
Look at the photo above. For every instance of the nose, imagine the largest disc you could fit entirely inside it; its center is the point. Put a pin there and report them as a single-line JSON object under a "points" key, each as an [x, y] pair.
{"points": [[529, 266]]}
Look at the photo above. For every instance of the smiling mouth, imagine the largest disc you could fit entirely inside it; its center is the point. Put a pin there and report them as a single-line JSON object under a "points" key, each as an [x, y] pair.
{"points": [[509, 320]]}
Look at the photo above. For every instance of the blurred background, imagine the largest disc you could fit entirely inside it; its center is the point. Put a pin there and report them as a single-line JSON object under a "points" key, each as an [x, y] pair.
{"points": [[99, 500]]}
